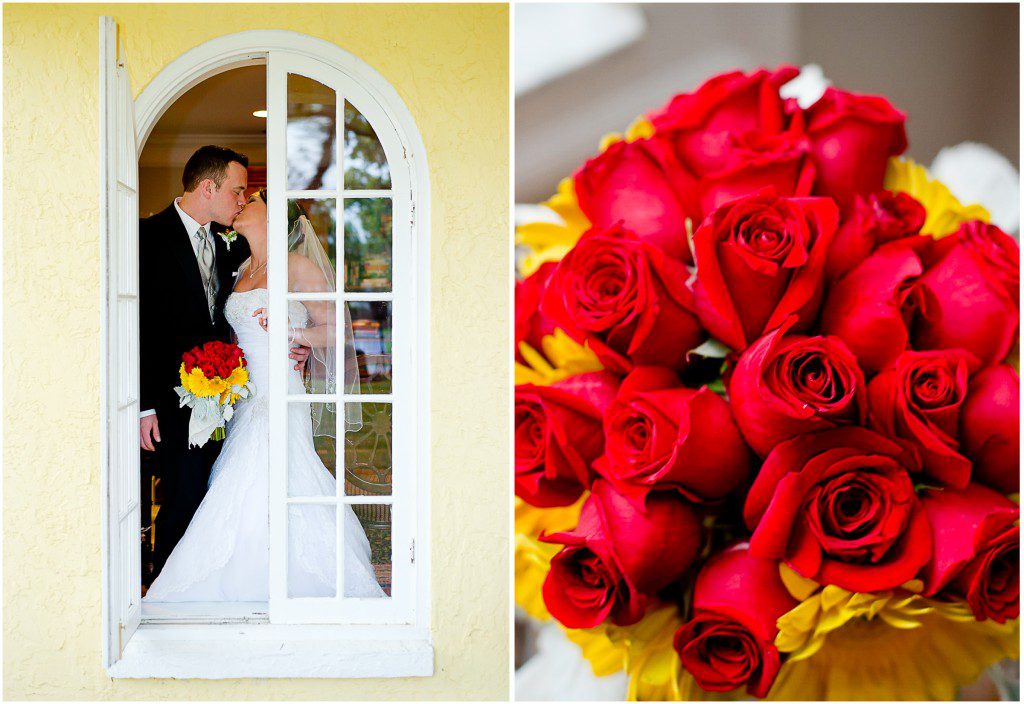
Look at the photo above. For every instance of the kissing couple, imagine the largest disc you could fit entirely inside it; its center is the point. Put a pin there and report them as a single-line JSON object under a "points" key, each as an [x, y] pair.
{"points": [[212, 529]]}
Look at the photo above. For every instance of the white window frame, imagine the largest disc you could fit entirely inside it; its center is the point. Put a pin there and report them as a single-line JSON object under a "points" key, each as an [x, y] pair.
{"points": [[216, 641]]}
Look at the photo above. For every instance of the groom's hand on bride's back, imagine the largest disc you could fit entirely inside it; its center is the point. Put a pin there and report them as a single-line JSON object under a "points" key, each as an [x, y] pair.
{"points": [[149, 432], [300, 354]]}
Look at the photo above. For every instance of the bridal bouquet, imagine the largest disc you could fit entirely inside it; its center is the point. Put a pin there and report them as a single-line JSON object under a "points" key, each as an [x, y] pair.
{"points": [[767, 406], [213, 378]]}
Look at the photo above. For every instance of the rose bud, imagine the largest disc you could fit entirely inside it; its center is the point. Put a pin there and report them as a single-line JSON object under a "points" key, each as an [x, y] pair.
{"points": [[729, 641], [990, 428], [875, 220], [917, 402], [531, 324], [759, 260], [839, 507], [660, 434], [868, 308], [972, 279], [757, 160], [977, 549], [787, 385], [852, 138], [700, 123], [641, 185], [628, 298], [558, 436], [628, 546]]}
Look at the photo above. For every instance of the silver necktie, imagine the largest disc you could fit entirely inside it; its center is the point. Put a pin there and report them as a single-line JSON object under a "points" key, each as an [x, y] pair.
{"points": [[206, 270]]}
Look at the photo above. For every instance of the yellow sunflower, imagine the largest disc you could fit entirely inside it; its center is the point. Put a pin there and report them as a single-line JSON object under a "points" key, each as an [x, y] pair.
{"points": [[944, 212], [562, 357], [883, 646], [196, 383], [547, 241]]}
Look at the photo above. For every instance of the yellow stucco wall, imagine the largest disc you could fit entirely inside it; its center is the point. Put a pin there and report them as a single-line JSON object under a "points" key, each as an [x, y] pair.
{"points": [[449, 63]]}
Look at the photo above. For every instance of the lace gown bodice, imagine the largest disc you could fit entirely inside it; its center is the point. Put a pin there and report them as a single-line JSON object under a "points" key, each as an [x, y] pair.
{"points": [[253, 339], [224, 554]]}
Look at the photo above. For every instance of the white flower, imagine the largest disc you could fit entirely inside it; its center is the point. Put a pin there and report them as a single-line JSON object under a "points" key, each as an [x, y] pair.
{"points": [[229, 237], [976, 173], [808, 87]]}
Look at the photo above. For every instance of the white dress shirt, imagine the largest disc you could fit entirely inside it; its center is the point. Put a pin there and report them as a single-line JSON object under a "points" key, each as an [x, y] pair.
{"points": [[191, 226]]}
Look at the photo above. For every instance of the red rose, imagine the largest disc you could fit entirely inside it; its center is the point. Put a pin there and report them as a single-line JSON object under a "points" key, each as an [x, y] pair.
{"points": [[730, 639], [628, 297], [972, 284], [977, 549], [701, 124], [659, 434], [558, 436], [868, 309], [760, 259], [531, 324], [878, 219], [626, 547], [917, 401], [852, 138], [757, 160], [840, 508], [786, 385], [990, 428], [640, 185]]}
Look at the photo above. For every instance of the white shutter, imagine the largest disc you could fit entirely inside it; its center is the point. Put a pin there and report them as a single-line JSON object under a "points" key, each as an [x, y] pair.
{"points": [[401, 501], [120, 358]]}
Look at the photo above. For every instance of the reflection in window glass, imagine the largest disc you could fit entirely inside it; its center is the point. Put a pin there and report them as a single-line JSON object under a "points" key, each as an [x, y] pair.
{"points": [[368, 451], [311, 134], [366, 166], [322, 218], [311, 553], [368, 244], [371, 339], [375, 520]]}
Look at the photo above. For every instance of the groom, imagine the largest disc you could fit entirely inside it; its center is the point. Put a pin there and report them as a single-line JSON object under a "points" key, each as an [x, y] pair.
{"points": [[186, 273]]}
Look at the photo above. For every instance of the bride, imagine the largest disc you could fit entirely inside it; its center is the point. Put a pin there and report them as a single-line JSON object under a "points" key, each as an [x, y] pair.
{"points": [[224, 554]]}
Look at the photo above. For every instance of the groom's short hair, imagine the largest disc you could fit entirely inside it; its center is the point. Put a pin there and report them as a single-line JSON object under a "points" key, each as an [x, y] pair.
{"points": [[210, 162]]}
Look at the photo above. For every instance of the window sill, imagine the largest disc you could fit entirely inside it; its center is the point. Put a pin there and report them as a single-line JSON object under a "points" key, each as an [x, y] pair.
{"points": [[238, 650]]}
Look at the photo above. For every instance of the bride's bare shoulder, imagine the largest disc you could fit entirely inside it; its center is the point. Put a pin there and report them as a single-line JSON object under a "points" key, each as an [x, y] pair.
{"points": [[299, 265], [304, 272]]}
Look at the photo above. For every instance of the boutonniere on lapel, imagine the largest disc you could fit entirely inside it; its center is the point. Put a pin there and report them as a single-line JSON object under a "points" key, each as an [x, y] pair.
{"points": [[229, 236]]}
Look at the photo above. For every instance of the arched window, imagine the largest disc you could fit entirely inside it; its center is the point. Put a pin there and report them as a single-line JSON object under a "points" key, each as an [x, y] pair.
{"points": [[343, 149]]}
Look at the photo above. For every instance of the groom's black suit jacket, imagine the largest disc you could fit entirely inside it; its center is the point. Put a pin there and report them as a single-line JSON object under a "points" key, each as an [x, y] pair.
{"points": [[173, 313]]}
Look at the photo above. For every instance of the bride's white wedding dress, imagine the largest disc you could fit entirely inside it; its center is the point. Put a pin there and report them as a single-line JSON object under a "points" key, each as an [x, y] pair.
{"points": [[224, 554]]}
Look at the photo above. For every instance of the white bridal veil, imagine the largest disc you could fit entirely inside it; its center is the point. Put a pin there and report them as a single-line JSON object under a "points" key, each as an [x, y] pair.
{"points": [[322, 361], [321, 367]]}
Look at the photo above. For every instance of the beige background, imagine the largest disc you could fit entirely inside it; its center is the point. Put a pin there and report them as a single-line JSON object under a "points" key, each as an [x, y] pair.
{"points": [[449, 64]]}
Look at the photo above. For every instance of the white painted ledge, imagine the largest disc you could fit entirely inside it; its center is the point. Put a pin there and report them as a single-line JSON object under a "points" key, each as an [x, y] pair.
{"points": [[229, 651]]}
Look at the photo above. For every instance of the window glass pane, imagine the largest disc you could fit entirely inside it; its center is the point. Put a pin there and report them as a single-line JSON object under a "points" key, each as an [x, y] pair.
{"points": [[314, 325], [315, 238], [365, 163], [368, 244], [368, 551], [368, 449], [312, 447], [312, 131], [311, 554], [368, 348]]}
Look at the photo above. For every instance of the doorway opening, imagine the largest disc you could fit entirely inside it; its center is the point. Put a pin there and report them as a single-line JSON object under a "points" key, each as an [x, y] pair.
{"points": [[229, 110]]}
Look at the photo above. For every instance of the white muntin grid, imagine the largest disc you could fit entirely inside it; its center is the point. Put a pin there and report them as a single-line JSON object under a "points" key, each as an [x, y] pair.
{"points": [[398, 608]]}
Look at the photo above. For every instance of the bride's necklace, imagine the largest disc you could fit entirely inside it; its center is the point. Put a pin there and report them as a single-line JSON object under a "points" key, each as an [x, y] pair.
{"points": [[256, 270]]}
